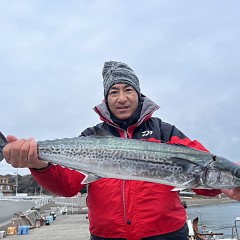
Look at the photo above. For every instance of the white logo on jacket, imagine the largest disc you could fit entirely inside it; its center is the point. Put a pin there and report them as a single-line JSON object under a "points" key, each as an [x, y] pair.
{"points": [[146, 133]]}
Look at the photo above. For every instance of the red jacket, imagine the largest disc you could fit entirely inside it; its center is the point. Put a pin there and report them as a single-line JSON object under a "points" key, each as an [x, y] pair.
{"points": [[124, 208]]}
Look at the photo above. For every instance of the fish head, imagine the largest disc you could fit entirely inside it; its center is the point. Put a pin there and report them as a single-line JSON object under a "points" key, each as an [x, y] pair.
{"points": [[221, 173]]}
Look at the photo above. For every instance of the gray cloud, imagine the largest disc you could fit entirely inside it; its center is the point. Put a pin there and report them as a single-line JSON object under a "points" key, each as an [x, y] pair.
{"points": [[185, 54]]}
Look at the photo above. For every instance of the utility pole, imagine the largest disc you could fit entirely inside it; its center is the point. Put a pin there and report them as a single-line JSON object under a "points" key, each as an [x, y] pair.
{"points": [[16, 182]]}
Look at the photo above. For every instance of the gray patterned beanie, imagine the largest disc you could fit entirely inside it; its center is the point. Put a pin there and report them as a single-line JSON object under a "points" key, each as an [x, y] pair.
{"points": [[117, 72]]}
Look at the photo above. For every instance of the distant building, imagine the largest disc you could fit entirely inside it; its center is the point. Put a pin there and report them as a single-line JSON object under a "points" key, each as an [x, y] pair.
{"points": [[6, 188]]}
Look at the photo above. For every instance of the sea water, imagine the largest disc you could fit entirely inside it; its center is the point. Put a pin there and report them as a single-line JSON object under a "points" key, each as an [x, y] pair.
{"points": [[218, 218]]}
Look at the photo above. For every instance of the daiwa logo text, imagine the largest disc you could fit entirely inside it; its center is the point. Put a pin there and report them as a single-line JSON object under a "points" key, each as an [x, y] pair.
{"points": [[146, 133]]}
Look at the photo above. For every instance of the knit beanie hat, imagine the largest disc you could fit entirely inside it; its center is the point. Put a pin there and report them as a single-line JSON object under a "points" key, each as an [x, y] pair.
{"points": [[116, 72]]}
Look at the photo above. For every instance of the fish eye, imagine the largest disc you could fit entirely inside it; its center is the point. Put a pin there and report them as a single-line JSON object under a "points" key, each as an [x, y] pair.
{"points": [[212, 177]]}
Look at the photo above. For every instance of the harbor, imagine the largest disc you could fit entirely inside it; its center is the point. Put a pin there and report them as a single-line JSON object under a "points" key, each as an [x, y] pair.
{"points": [[71, 220], [48, 216], [69, 227]]}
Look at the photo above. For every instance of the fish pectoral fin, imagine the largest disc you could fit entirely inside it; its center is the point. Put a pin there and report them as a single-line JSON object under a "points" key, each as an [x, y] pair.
{"points": [[176, 189], [89, 177]]}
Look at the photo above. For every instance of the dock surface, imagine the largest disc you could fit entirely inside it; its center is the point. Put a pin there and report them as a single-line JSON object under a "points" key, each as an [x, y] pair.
{"points": [[70, 227]]}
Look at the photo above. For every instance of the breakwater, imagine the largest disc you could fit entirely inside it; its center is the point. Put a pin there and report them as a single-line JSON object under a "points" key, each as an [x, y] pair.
{"points": [[30, 210], [17, 211]]}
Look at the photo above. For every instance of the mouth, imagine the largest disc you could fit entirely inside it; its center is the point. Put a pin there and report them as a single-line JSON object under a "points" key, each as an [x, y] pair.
{"points": [[122, 108]]}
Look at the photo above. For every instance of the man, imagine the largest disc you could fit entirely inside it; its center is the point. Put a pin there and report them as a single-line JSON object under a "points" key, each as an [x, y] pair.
{"points": [[120, 209]]}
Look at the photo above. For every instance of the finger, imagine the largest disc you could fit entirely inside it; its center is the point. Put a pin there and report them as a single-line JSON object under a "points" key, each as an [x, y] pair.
{"points": [[232, 193], [237, 193], [32, 155], [7, 152], [11, 138], [33, 159], [23, 154], [8, 147], [15, 152], [228, 192]]}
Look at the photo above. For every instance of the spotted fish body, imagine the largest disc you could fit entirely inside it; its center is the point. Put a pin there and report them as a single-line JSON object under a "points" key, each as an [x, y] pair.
{"points": [[105, 156]]}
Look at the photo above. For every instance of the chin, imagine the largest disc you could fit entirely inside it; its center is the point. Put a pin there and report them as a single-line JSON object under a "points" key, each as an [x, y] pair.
{"points": [[123, 117]]}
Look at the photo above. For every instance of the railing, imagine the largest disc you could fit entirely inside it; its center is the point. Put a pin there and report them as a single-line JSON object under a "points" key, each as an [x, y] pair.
{"points": [[235, 229], [38, 200]]}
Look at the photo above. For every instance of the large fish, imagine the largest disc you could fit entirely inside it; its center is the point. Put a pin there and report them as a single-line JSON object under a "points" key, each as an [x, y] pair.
{"points": [[105, 156]]}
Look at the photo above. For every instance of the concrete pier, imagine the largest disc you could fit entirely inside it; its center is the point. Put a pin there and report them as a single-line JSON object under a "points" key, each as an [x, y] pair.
{"points": [[76, 226], [70, 227]]}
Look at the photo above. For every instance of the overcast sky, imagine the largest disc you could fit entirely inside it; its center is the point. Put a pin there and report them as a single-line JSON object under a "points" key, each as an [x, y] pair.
{"points": [[185, 53]]}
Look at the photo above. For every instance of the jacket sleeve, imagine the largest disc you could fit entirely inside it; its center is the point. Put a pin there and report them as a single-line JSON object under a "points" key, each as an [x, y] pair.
{"points": [[174, 136], [59, 180]]}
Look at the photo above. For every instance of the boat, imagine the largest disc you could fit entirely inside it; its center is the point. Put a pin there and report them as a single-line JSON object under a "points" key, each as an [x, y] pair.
{"points": [[195, 234]]}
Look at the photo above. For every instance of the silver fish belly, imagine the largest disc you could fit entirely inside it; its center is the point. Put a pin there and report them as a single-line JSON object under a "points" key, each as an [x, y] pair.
{"points": [[104, 156]]}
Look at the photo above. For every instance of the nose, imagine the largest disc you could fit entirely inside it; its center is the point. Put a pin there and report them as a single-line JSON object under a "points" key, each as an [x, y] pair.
{"points": [[122, 97]]}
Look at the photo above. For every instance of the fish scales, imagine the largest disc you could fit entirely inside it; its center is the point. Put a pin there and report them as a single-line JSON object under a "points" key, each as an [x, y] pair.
{"points": [[105, 156], [127, 159]]}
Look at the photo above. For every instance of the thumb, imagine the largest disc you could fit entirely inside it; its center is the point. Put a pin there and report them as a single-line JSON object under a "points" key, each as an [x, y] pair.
{"points": [[11, 138]]}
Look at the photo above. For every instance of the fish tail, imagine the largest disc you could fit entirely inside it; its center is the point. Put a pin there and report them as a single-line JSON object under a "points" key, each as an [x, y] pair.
{"points": [[3, 143]]}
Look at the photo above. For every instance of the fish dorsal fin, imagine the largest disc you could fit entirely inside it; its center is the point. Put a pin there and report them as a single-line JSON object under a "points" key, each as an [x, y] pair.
{"points": [[99, 132]]}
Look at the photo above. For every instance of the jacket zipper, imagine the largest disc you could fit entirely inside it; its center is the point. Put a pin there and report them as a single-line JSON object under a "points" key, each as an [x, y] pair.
{"points": [[123, 191], [124, 202]]}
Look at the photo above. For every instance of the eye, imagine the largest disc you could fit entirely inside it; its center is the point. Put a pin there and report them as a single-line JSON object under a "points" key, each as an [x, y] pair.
{"points": [[212, 177], [129, 89], [113, 92]]}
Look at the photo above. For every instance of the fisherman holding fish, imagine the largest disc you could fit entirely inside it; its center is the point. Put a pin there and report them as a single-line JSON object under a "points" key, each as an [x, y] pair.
{"points": [[119, 208]]}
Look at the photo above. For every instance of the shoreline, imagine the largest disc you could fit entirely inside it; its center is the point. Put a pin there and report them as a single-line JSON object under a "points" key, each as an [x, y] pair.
{"points": [[193, 202], [76, 226]]}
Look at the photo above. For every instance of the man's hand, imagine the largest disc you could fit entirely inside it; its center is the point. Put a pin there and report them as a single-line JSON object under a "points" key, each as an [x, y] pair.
{"points": [[22, 153], [232, 193]]}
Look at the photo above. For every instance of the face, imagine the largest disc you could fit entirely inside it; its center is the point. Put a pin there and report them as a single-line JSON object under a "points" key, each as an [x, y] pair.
{"points": [[122, 101]]}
